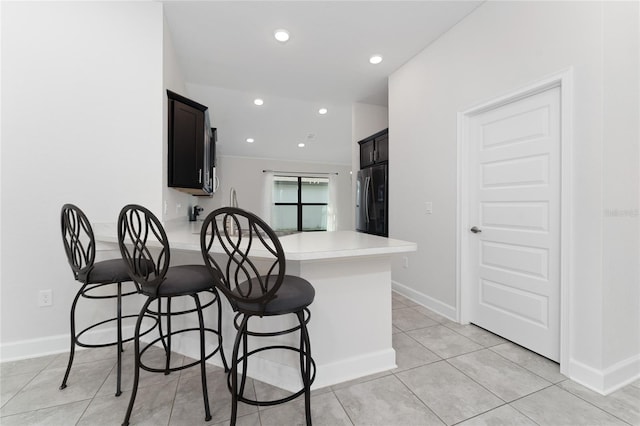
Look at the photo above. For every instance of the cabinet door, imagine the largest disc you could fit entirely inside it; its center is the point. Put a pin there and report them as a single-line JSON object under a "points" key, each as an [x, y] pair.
{"points": [[187, 147], [366, 153], [382, 148]]}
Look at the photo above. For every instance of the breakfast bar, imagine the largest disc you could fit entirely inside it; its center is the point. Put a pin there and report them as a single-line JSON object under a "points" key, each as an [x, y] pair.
{"points": [[350, 326]]}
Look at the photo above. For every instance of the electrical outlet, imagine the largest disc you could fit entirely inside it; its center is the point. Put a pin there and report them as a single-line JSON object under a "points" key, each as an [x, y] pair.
{"points": [[428, 207], [405, 262], [45, 298]]}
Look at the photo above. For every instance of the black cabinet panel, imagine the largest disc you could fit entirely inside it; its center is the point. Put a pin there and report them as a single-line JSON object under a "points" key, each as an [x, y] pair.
{"points": [[374, 149], [186, 146], [191, 146], [366, 153], [382, 148]]}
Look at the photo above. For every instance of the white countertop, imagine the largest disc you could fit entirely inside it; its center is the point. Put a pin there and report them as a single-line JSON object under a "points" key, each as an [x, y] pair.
{"points": [[301, 246]]}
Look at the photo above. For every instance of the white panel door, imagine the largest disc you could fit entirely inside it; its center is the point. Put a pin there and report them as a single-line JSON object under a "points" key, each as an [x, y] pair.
{"points": [[514, 221]]}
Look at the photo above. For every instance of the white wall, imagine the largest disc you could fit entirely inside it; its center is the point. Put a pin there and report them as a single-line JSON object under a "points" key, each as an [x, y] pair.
{"points": [[246, 176], [175, 203], [81, 122], [499, 48], [366, 120], [621, 173]]}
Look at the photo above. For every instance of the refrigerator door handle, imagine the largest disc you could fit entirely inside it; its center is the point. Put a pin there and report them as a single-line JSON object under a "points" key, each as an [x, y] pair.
{"points": [[367, 181]]}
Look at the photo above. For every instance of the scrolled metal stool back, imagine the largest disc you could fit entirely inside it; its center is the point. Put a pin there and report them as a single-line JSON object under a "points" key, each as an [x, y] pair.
{"points": [[238, 234], [78, 240], [138, 230]]}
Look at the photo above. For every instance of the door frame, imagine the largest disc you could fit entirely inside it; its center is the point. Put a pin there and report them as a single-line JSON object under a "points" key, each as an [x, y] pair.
{"points": [[563, 80]]}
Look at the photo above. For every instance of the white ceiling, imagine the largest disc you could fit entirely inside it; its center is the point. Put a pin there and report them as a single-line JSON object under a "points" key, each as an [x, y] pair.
{"points": [[228, 57]]}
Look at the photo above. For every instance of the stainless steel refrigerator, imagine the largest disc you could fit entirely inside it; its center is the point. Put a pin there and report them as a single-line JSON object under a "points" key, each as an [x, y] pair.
{"points": [[372, 202]]}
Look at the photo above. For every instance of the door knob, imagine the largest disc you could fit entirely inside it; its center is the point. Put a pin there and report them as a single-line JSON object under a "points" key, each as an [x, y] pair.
{"points": [[475, 230]]}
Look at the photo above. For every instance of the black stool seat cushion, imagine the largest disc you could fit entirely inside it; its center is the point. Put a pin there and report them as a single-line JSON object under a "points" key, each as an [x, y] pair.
{"points": [[106, 271], [185, 279], [294, 294]]}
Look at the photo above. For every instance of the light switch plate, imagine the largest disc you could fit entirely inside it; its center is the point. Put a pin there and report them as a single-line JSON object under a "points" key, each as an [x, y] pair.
{"points": [[428, 207]]}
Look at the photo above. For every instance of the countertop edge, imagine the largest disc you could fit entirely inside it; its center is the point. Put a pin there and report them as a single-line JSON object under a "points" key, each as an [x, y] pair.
{"points": [[302, 247]]}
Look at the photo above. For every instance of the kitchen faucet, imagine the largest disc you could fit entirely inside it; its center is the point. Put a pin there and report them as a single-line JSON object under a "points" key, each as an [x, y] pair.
{"points": [[233, 202], [233, 198]]}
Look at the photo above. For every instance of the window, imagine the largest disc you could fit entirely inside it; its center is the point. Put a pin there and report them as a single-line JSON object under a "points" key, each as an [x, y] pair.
{"points": [[300, 203]]}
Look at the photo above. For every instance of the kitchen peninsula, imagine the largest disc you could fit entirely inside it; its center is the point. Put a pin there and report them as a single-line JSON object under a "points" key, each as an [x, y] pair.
{"points": [[350, 326]]}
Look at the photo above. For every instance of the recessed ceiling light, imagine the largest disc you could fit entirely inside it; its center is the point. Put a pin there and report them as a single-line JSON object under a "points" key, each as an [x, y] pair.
{"points": [[300, 145], [323, 111], [258, 101], [375, 59], [281, 35], [250, 140]]}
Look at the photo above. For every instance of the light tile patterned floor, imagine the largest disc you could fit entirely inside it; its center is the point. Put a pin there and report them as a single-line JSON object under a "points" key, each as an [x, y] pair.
{"points": [[447, 374]]}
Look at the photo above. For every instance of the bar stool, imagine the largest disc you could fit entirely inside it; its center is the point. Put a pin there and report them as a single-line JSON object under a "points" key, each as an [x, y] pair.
{"points": [[143, 240], [257, 287], [80, 248]]}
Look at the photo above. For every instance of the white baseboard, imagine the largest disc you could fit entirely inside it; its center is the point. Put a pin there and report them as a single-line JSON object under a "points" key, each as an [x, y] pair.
{"points": [[621, 374], [52, 345], [435, 305], [608, 380], [34, 348], [286, 376], [353, 368]]}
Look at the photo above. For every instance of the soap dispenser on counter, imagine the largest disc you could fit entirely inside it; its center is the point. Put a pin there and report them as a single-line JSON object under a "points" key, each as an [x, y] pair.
{"points": [[194, 212]]}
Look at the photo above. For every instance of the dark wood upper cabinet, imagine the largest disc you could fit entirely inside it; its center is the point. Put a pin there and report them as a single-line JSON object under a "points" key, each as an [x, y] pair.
{"points": [[374, 149], [191, 146]]}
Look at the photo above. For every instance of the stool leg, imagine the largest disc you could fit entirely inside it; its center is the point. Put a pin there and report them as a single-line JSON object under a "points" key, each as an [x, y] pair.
{"points": [[234, 370], [73, 337], [245, 363], [119, 345], [167, 347], [224, 359], [305, 352], [203, 364], [136, 375]]}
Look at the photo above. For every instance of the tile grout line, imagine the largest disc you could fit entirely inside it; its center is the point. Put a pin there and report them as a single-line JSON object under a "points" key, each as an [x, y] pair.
{"points": [[524, 366], [175, 393], [420, 399], [509, 361], [483, 348], [343, 407], [17, 393], [37, 373], [463, 373], [589, 402], [95, 394], [525, 396], [484, 412]]}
